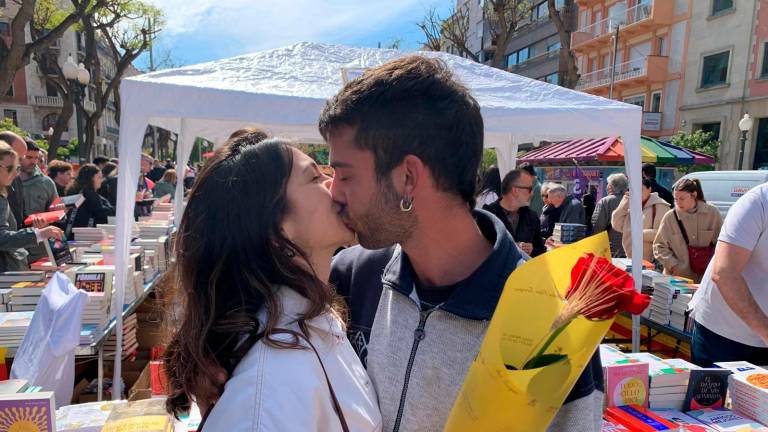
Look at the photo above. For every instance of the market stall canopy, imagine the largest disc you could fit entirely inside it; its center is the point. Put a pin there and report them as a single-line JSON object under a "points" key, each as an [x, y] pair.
{"points": [[283, 91], [611, 149]]}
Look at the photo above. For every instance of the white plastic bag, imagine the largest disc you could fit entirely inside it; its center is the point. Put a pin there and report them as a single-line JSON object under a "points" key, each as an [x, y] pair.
{"points": [[46, 356]]}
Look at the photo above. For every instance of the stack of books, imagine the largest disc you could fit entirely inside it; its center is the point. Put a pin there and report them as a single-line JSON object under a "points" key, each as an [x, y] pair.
{"points": [[153, 229], [130, 343], [679, 317], [87, 417], [664, 292], [26, 295], [749, 389], [157, 249], [668, 380], [89, 333], [88, 235], [567, 233], [9, 279], [13, 327]]}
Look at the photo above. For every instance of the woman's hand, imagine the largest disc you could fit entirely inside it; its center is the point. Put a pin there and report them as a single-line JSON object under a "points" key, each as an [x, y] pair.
{"points": [[52, 232]]}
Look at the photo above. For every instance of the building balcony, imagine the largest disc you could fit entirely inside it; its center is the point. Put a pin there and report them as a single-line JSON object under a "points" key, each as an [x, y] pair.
{"points": [[112, 130], [46, 101], [634, 72], [535, 60], [635, 21]]}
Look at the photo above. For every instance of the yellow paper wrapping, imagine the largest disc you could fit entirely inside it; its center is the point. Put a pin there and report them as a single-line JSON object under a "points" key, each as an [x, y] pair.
{"points": [[494, 398]]}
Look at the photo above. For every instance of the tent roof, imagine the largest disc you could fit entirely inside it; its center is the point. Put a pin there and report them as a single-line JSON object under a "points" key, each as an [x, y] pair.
{"points": [[284, 89]]}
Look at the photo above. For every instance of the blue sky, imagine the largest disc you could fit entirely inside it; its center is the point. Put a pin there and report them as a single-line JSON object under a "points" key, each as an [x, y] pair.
{"points": [[203, 30]]}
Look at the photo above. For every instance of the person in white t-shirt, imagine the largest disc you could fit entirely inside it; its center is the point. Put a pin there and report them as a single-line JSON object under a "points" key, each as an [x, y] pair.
{"points": [[731, 306]]}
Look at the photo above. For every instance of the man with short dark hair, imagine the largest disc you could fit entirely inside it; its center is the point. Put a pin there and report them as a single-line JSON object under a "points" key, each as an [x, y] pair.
{"points": [[100, 161], [61, 174], [513, 211], [39, 190], [406, 141], [649, 172]]}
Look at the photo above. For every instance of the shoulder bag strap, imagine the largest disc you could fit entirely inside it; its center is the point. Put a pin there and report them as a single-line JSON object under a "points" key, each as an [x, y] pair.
{"points": [[334, 400], [682, 228], [653, 216]]}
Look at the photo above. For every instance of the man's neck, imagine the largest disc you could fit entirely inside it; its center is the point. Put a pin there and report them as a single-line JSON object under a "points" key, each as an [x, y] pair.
{"points": [[447, 247], [509, 205], [25, 176]]}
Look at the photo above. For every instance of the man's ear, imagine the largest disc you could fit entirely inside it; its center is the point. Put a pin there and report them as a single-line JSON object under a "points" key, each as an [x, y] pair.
{"points": [[413, 175]]}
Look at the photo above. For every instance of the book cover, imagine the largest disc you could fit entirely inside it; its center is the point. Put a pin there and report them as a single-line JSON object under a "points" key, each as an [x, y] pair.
{"points": [[58, 251], [739, 366], [147, 415], [638, 418], [49, 217], [726, 420], [677, 417], [27, 412], [609, 426], [626, 384], [706, 389]]}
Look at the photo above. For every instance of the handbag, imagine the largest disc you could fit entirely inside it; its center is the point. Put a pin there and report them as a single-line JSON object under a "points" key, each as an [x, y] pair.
{"points": [[698, 257], [334, 400]]}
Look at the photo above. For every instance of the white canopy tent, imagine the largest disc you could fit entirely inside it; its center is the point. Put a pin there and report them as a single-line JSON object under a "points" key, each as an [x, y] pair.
{"points": [[284, 90]]}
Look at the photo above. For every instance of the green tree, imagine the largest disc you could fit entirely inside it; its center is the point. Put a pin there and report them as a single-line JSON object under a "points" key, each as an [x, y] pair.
{"points": [[700, 141], [6, 124]]}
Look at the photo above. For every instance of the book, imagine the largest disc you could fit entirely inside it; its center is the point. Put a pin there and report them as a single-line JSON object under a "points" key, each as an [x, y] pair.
{"points": [[638, 419], [88, 417], [147, 415], [22, 276], [609, 426], [707, 388], [49, 217], [28, 412], [626, 384], [726, 420], [58, 251], [676, 390], [739, 366], [13, 386], [69, 201], [663, 373], [95, 278], [677, 417]]}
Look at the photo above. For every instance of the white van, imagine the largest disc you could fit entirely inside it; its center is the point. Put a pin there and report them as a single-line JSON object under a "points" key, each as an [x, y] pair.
{"points": [[723, 188]]}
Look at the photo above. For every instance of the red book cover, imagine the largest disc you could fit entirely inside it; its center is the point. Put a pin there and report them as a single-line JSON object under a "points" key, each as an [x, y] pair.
{"points": [[49, 217], [638, 419], [158, 379]]}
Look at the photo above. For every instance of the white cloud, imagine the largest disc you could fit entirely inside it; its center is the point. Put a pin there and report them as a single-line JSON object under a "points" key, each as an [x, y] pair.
{"points": [[261, 24]]}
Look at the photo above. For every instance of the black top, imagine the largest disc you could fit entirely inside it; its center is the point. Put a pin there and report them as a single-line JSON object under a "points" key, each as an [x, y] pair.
{"points": [[16, 199], [549, 217], [663, 192], [108, 190], [156, 173], [94, 210], [61, 190], [528, 227]]}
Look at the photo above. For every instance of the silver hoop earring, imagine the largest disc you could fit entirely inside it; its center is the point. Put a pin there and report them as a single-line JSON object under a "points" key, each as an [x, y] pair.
{"points": [[406, 206]]}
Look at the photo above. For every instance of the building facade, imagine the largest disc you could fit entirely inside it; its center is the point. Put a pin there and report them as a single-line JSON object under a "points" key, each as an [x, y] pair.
{"points": [[727, 68], [34, 104], [647, 68]]}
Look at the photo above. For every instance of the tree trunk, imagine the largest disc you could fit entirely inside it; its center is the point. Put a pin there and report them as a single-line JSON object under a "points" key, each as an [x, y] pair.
{"points": [[564, 20], [58, 129]]}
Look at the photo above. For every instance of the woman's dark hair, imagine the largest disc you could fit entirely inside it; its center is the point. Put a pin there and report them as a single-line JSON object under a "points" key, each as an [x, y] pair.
{"points": [[692, 186], [491, 181], [84, 179], [231, 258], [108, 169], [647, 182]]}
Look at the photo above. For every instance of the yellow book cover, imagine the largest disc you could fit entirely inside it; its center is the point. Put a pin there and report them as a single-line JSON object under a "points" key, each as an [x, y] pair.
{"points": [[147, 415]]}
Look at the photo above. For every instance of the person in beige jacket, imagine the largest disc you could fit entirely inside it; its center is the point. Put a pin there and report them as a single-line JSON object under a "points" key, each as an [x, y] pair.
{"points": [[702, 223], [654, 209]]}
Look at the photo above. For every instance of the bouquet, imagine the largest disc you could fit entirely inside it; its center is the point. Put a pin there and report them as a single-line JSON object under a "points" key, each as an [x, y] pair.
{"points": [[552, 315]]}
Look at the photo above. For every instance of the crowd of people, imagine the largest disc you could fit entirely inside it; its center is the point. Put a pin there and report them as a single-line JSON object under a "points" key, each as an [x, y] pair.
{"points": [[673, 222], [30, 186]]}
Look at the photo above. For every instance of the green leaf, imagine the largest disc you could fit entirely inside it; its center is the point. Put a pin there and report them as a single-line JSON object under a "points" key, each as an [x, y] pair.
{"points": [[544, 360]]}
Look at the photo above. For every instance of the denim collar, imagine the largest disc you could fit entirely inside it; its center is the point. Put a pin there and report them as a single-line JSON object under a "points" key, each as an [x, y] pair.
{"points": [[476, 296]]}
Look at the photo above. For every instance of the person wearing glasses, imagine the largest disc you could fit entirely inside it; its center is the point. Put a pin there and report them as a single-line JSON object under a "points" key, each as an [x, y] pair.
{"points": [[13, 241], [514, 212]]}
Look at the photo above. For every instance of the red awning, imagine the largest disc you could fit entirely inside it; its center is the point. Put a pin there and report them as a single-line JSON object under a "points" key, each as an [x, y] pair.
{"points": [[580, 150]]}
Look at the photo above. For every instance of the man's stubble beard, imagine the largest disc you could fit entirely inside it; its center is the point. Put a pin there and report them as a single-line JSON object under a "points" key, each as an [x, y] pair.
{"points": [[384, 224]]}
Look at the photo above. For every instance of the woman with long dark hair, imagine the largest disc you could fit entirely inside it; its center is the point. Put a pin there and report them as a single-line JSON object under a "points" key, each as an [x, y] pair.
{"points": [[95, 209], [260, 343]]}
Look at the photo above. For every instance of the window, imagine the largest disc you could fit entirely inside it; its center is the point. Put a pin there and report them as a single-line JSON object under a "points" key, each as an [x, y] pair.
{"points": [[656, 102], [5, 28], [761, 144], [714, 70], [512, 59], [713, 128], [764, 69], [50, 90], [551, 78], [10, 93], [660, 51], [542, 11], [638, 100], [523, 55], [554, 47], [720, 6], [2, 3], [11, 114]]}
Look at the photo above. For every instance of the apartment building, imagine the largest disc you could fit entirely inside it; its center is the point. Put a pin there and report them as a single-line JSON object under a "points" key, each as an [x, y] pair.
{"points": [[34, 104], [727, 76], [649, 39]]}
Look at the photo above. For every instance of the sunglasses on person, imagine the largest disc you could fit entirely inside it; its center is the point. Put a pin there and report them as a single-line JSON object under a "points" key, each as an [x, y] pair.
{"points": [[11, 168], [528, 188]]}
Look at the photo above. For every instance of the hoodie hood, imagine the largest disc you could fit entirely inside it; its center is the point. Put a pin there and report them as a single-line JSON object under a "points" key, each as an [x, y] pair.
{"points": [[654, 199]]}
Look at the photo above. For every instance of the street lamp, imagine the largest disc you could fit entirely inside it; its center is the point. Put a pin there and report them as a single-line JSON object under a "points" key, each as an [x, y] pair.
{"points": [[745, 124], [78, 77], [103, 142]]}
